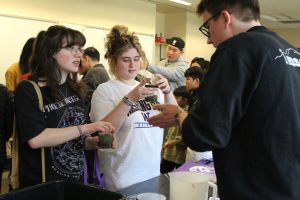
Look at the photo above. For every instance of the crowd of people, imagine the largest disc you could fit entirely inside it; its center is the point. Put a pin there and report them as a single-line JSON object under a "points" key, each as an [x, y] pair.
{"points": [[240, 108], [74, 111]]}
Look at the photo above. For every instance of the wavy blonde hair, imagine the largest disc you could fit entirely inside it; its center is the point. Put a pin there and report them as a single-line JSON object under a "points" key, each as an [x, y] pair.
{"points": [[118, 41]]}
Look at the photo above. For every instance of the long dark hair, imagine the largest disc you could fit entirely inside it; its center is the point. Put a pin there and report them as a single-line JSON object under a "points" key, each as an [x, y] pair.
{"points": [[25, 55], [47, 67], [37, 45]]}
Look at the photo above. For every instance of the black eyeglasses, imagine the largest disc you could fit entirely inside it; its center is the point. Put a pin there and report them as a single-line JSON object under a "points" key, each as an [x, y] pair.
{"points": [[205, 26], [73, 49]]}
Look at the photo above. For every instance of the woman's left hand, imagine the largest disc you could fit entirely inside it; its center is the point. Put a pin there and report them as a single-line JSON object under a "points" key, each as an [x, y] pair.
{"points": [[163, 84]]}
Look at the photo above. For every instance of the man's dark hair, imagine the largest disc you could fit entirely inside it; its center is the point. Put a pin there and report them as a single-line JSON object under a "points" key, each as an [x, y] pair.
{"points": [[245, 10], [202, 62], [181, 91], [194, 72], [93, 53]]}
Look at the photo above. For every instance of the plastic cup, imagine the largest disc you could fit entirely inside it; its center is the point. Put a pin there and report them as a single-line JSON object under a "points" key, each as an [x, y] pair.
{"points": [[105, 141], [153, 98]]}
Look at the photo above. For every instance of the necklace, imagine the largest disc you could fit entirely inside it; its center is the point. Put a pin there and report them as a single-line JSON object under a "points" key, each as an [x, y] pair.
{"points": [[60, 90]]}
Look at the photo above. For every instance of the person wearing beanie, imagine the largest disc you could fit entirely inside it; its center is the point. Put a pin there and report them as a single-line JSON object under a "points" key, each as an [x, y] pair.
{"points": [[174, 66]]}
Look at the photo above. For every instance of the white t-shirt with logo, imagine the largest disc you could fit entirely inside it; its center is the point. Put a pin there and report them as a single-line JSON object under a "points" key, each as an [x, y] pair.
{"points": [[137, 157]]}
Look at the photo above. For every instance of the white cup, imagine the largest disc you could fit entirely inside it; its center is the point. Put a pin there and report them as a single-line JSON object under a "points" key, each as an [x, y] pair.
{"points": [[150, 196], [191, 186]]}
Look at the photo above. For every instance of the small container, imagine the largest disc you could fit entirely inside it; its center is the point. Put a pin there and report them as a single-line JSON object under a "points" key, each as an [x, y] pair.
{"points": [[153, 98], [105, 141], [144, 74]]}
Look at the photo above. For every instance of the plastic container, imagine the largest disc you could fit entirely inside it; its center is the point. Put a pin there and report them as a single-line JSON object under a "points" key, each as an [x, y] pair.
{"points": [[62, 190]]}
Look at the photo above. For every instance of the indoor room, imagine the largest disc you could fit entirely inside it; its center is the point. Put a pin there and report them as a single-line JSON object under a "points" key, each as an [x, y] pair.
{"points": [[155, 23]]}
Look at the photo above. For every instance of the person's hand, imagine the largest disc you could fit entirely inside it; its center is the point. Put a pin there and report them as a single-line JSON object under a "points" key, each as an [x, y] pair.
{"points": [[140, 92], [104, 127], [91, 143], [163, 84], [166, 118], [168, 145]]}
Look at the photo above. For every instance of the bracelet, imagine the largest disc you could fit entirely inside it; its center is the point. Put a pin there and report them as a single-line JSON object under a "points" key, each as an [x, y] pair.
{"points": [[80, 130], [128, 102], [168, 92]]}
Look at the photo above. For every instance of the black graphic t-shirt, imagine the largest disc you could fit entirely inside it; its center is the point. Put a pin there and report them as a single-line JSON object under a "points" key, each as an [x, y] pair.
{"points": [[64, 161]]}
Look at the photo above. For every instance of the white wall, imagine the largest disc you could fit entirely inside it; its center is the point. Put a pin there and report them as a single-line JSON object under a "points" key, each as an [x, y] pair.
{"points": [[160, 29], [196, 42], [184, 25], [138, 15], [291, 35], [175, 25]]}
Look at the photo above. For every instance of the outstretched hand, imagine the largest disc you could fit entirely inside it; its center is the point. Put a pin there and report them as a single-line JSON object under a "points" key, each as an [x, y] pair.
{"points": [[166, 118], [163, 84]]}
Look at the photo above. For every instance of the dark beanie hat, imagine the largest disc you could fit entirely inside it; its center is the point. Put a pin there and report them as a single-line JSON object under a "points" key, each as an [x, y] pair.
{"points": [[92, 52], [176, 42]]}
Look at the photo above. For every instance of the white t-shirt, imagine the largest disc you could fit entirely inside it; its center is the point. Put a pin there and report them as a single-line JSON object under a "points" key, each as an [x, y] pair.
{"points": [[137, 157]]}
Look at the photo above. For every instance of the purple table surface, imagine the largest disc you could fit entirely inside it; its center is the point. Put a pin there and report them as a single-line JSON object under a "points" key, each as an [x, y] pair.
{"points": [[203, 166]]}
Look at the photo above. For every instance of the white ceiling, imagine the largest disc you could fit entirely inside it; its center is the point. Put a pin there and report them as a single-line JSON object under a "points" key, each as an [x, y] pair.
{"points": [[275, 14]]}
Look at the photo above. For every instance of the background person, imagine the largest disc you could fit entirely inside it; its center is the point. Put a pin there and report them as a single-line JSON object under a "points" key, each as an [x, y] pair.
{"points": [[248, 107], [15, 71], [200, 62], [32, 58], [174, 66], [194, 76], [6, 123], [174, 149], [94, 74]]}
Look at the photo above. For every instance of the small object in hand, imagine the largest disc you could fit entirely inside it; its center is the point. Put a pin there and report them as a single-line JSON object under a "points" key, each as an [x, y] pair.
{"points": [[105, 141], [144, 74], [153, 98]]}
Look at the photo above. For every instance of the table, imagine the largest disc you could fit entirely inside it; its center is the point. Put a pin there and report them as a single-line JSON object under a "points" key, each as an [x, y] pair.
{"points": [[159, 184]]}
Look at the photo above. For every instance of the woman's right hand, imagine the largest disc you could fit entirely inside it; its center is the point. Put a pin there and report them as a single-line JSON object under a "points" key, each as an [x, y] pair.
{"points": [[140, 92], [104, 127]]}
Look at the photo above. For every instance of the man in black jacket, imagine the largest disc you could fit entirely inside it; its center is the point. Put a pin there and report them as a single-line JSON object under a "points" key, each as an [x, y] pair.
{"points": [[248, 108]]}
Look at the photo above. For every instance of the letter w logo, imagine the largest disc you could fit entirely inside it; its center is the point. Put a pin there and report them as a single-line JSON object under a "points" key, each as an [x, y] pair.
{"points": [[146, 115]]}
